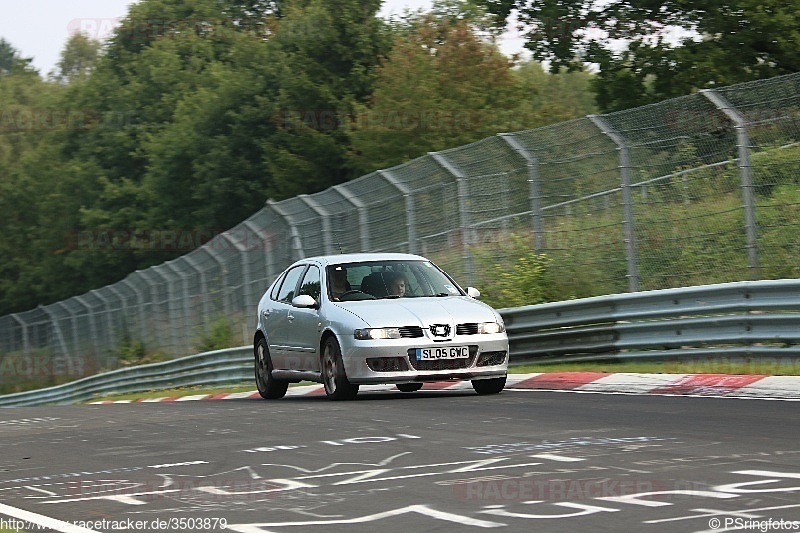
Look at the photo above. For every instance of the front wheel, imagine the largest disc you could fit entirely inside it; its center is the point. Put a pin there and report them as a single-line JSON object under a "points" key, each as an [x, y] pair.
{"points": [[489, 386], [268, 387], [337, 386]]}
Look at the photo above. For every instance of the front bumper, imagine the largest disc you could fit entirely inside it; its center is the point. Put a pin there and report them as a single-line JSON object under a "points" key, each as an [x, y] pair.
{"points": [[393, 361]]}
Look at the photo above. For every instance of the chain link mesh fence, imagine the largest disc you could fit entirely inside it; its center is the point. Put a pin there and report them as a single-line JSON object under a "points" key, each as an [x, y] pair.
{"points": [[695, 190]]}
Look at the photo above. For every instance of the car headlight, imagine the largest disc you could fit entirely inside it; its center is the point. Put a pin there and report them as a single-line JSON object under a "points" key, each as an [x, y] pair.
{"points": [[377, 333], [490, 327]]}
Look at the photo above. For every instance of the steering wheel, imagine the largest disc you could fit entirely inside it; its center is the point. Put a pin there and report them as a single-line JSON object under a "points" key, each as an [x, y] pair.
{"points": [[365, 295]]}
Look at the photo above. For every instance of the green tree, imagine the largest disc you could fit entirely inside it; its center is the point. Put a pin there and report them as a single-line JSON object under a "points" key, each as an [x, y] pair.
{"points": [[327, 55], [35, 198], [7, 56], [11, 60], [445, 84], [439, 87], [548, 98], [648, 51], [77, 59], [181, 123]]}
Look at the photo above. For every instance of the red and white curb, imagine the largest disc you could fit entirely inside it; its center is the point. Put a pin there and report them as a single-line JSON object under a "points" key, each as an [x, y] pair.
{"points": [[710, 385]]}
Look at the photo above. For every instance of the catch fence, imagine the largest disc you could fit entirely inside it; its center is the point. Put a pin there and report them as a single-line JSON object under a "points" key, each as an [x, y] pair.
{"points": [[694, 190]]}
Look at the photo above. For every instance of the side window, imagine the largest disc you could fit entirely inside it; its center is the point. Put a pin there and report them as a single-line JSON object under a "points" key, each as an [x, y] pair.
{"points": [[275, 288], [311, 283], [286, 292]]}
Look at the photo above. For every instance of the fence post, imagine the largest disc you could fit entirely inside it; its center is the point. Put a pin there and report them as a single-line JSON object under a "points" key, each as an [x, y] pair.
{"points": [[534, 190], [297, 242], [172, 310], [268, 261], [411, 216], [140, 308], [187, 328], [223, 272], [109, 322], [466, 225], [121, 299], [242, 250], [72, 368], [25, 342], [745, 174], [627, 199], [92, 327], [327, 233], [363, 219], [71, 316]]}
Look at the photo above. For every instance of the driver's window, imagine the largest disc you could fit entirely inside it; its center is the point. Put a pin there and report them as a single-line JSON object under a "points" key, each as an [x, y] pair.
{"points": [[311, 283]]}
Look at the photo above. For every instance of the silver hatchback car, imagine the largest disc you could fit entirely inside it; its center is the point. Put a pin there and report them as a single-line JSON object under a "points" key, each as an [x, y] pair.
{"points": [[352, 319]]}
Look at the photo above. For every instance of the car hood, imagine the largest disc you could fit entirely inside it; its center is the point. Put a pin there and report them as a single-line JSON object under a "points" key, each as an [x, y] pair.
{"points": [[422, 311]]}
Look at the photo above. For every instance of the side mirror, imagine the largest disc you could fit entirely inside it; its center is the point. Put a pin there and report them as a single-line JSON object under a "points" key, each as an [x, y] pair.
{"points": [[304, 301], [472, 292]]}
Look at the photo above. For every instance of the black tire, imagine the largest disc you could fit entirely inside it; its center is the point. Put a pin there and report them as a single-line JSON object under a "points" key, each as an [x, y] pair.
{"points": [[268, 387], [337, 386], [408, 387], [489, 386]]}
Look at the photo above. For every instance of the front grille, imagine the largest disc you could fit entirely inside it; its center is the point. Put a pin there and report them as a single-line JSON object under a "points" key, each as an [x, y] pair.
{"points": [[387, 364], [467, 329], [410, 332], [442, 364], [491, 358]]}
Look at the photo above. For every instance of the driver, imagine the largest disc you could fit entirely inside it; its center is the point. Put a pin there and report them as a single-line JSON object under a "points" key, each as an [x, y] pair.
{"points": [[338, 283]]}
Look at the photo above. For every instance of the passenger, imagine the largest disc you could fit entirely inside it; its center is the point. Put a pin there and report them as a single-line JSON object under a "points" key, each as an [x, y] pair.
{"points": [[397, 284]]}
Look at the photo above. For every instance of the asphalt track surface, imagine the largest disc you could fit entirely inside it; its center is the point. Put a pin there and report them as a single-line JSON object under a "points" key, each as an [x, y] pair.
{"points": [[446, 460]]}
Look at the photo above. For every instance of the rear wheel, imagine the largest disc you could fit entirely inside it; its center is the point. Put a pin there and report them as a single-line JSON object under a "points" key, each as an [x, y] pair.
{"points": [[268, 387], [408, 387], [337, 386], [489, 386]]}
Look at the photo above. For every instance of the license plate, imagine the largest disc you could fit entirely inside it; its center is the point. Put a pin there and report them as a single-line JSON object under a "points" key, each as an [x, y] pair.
{"points": [[435, 354]]}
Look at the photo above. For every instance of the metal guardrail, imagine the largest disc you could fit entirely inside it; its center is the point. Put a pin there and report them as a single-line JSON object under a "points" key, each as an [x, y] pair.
{"points": [[750, 318], [233, 365]]}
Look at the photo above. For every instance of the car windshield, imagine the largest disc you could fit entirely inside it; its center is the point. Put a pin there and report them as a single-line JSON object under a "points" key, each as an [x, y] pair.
{"points": [[388, 279]]}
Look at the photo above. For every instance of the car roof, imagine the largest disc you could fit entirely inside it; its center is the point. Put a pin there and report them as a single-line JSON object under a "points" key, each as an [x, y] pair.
{"points": [[326, 260]]}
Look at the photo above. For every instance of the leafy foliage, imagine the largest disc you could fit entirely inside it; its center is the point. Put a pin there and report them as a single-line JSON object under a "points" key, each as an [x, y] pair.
{"points": [[220, 335], [197, 111], [648, 51], [524, 278]]}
